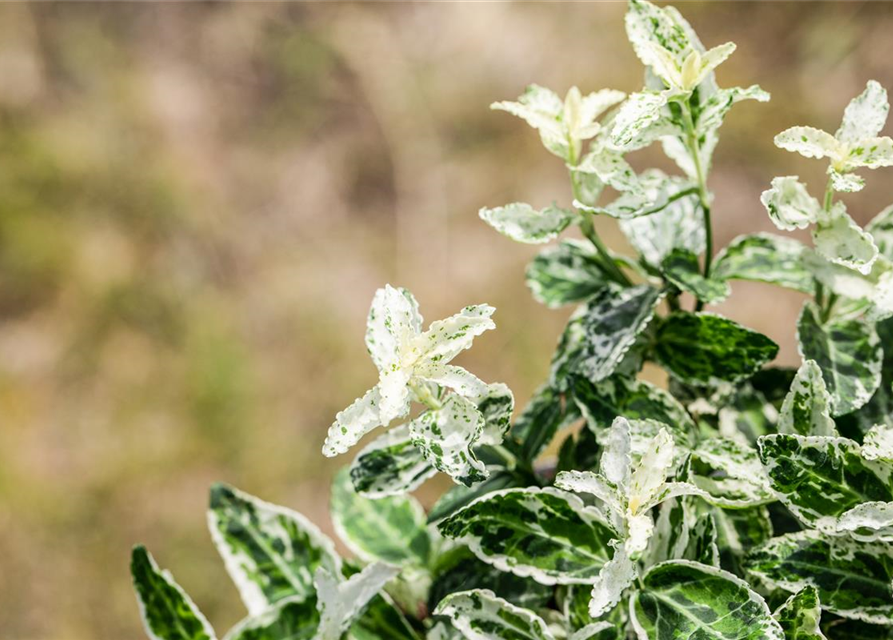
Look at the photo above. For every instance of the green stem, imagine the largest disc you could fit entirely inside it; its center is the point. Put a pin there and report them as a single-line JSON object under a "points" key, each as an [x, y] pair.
{"points": [[703, 196], [588, 228]]}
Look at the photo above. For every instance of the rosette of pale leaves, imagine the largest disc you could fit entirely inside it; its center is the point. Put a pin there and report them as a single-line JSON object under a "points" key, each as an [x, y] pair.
{"points": [[414, 366]]}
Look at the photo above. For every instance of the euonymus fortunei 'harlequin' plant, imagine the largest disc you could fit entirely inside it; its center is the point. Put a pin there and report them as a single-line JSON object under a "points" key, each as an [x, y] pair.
{"points": [[745, 502]]}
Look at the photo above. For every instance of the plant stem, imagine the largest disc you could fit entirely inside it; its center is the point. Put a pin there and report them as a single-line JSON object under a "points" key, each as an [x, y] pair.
{"points": [[694, 149], [588, 229]]}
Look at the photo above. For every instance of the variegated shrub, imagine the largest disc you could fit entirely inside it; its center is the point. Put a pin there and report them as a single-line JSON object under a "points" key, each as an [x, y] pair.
{"points": [[746, 501]]}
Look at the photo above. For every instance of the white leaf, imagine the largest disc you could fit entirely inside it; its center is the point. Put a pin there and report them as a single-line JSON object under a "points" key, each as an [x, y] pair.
{"points": [[523, 223], [445, 339], [341, 602], [845, 182], [353, 423], [789, 204], [637, 114], [865, 115], [651, 471], [809, 142], [615, 460], [878, 443], [838, 238], [393, 320], [614, 578]]}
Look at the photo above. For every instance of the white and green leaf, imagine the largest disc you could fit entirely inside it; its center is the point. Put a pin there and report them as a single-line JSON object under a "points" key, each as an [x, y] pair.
{"points": [[481, 615], [341, 602], [789, 204], [546, 534], [167, 612], [564, 274], [390, 465], [764, 257], [522, 223], [392, 529], [849, 354], [807, 406], [270, 552], [800, 615]]}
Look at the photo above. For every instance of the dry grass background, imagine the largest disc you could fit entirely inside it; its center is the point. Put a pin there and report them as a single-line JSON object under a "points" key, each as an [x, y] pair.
{"points": [[198, 201]]}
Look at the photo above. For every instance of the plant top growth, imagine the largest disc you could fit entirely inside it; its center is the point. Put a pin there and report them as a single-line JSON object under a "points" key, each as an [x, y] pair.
{"points": [[746, 501]]}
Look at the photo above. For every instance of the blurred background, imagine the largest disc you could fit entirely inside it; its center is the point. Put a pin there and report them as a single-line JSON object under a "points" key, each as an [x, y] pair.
{"points": [[198, 201]]}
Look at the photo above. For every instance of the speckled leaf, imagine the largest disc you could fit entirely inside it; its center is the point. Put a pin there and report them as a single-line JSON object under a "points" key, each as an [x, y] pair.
{"points": [[677, 225], [634, 399], [849, 354], [523, 223], [868, 522], [391, 529], [718, 105], [807, 141], [789, 204], [878, 443], [447, 437], [655, 192], [682, 269], [565, 274], [846, 182], [763, 257], [799, 616], [341, 602], [807, 407], [684, 599], [819, 478], [269, 551], [865, 115], [731, 473], [546, 534], [390, 465], [167, 612], [599, 334], [852, 578], [638, 113], [648, 25], [839, 239], [294, 618], [480, 615], [703, 348]]}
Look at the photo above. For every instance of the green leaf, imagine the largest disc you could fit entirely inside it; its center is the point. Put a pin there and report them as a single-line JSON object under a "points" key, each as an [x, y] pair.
{"points": [[167, 612], [598, 335], [460, 570], [633, 399], [849, 354], [820, 478], [270, 552], [852, 578], [807, 407], [800, 614], [341, 602], [682, 269], [684, 599], [740, 530], [294, 618], [523, 223], [546, 534], [703, 348], [381, 619], [564, 274], [391, 529], [542, 418], [390, 465], [480, 615], [763, 257], [731, 473]]}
